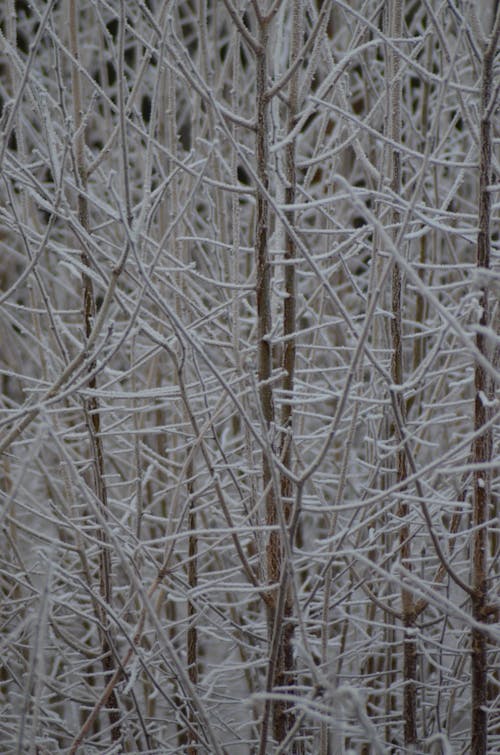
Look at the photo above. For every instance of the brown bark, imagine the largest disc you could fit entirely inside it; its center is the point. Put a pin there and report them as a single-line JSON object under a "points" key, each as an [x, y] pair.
{"points": [[285, 676], [91, 405], [482, 446], [397, 375]]}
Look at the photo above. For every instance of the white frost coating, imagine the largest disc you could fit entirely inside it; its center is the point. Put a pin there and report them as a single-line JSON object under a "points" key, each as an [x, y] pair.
{"points": [[132, 676], [175, 384], [489, 403]]}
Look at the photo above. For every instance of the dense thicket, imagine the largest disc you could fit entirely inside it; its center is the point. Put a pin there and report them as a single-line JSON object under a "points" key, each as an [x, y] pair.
{"points": [[250, 350]]}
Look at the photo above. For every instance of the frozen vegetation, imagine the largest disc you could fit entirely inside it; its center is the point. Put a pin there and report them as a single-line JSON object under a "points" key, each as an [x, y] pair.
{"points": [[249, 360]]}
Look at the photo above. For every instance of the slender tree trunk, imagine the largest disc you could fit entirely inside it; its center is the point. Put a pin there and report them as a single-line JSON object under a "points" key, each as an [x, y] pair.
{"points": [[264, 354], [482, 447], [91, 405], [284, 717], [283, 660], [397, 374]]}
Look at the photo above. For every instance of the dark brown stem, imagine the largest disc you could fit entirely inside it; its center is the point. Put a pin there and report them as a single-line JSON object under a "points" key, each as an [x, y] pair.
{"points": [[91, 405], [482, 446], [264, 347], [284, 717], [397, 375]]}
